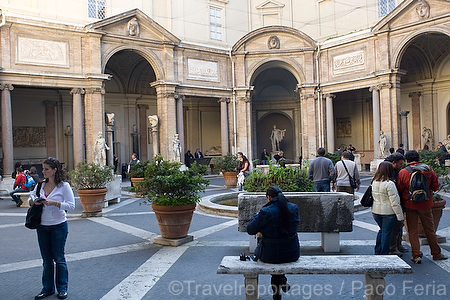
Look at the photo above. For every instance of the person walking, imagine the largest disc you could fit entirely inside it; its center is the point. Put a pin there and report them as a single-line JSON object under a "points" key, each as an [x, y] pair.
{"points": [[57, 197], [386, 207], [419, 210], [344, 168], [277, 221], [321, 171]]}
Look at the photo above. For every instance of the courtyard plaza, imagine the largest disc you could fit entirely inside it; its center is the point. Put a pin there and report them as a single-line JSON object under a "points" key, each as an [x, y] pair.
{"points": [[113, 257]]}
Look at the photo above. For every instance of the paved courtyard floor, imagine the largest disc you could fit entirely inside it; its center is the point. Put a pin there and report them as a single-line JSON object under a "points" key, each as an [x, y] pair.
{"points": [[113, 257]]}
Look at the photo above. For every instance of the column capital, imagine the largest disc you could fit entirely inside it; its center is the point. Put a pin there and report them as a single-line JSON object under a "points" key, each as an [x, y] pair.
{"points": [[387, 85], [95, 91], [226, 100], [329, 95], [50, 103], [418, 94], [173, 95], [6, 86], [307, 96], [142, 106], [80, 91], [245, 99], [374, 88], [404, 113]]}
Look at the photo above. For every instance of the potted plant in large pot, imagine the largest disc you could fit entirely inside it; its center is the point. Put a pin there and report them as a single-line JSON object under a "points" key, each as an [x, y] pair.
{"points": [[137, 172], [90, 180], [227, 165], [173, 193]]}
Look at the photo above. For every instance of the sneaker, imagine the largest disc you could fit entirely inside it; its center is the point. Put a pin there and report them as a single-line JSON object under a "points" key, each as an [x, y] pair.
{"points": [[442, 257], [417, 260], [19, 203]]}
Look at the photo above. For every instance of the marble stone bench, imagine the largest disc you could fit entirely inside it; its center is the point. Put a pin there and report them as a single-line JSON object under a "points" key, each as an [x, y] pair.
{"points": [[24, 197], [374, 268], [327, 213]]}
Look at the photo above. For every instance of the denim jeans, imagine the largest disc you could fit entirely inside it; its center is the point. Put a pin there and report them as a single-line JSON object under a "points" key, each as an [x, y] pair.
{"points": [[323, 186], [386, 223], [52, 240], [15, 197]]}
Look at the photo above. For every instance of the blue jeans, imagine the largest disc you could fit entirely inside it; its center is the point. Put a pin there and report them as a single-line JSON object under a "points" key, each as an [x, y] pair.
{"points": [[323, 186], [52, 240], [15, 197], [386, 223]]}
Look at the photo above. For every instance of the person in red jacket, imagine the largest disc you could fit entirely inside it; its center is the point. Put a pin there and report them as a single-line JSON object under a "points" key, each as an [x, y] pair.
{"points": [[416, 210], [21, 188]]}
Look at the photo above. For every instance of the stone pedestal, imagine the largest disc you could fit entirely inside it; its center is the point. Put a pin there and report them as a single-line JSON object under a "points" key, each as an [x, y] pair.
{"points": [[330, 242], [374, 164], [114, 191], [172, 242]]}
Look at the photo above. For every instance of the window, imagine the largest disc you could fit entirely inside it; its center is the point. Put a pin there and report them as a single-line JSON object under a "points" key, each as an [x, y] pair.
{"points": [[385, 7], [215, 23], [97, 9]]}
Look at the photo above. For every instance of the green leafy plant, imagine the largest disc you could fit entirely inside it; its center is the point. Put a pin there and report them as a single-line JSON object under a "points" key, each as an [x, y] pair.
{"points": [[333, 156], [165, 184], [137, 170], [227, 163], [435, 160], [289, 179], [88, 176]]}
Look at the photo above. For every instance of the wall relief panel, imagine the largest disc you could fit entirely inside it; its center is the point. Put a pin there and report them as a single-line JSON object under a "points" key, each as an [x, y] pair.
{"points": [[28, 137], [42, 52], [349, 62], [343, 127], [202, 70]]}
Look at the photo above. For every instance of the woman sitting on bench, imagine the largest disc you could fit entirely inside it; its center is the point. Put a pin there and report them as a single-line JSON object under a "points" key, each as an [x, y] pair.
{"points": [[277, 221]]}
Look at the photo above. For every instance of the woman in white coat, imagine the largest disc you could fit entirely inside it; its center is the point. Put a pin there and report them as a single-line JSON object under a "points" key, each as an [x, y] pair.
{"points": [[386, 207]]}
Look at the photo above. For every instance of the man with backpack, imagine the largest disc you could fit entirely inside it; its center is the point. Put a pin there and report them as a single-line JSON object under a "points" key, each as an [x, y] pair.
{"points": [[19, 182], [415, 184]]}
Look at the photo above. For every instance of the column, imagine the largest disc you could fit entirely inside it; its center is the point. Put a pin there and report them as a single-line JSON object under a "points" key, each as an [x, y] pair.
{"points": [[309, 125], [135, 141], [224, 125], [110, 120], [165, 97], [330, 122], [415, 113], [154, 125], [78, 132], [244, 122], [143, 141], [50, 128], [180, 124], [7, 130], [404, 121], [376, 120], [94, 110]]}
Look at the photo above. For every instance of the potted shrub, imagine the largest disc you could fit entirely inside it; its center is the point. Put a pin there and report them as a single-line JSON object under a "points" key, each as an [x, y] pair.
{"points": [[137, 172], [90, 180], [173, 193], [227, 165]]}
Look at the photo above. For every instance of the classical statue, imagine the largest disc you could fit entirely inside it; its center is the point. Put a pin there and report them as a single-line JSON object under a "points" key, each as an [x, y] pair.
{"points": [[446, 142], [383, 143], [100, 148], [276, 137], [176, 148], [153, 122], [133, 27], [423, 9], [110, 119], [426, 136]]}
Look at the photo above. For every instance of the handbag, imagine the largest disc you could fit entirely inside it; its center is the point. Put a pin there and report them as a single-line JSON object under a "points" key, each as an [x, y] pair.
{"points": [[352, 180], [367, 199], [34, 213]]}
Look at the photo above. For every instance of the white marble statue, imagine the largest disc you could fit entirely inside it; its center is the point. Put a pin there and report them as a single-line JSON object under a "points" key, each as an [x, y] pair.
{"points": [[110, 119], [100, 148], [426, 136], [153, 121], [276, 137], [383, 143], [176, 148]]}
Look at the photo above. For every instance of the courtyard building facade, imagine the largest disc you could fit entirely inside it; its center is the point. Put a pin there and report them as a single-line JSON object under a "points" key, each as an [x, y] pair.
{"points": [[220, 75]]}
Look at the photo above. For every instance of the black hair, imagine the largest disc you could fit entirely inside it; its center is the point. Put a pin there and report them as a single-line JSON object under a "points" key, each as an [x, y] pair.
{"points": [[391, 150], [321, 151], [60, 174], [395, 157], [412, 155], [244, 158], [275, 192]]}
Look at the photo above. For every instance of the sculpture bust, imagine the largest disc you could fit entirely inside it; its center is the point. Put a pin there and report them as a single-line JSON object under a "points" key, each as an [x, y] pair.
{"points": [[423, 9], [153, 121], [133, 27]]}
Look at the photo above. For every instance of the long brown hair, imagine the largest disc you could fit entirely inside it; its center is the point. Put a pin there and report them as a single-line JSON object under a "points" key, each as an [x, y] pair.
{"points": [[60, 174], [384, 172]]}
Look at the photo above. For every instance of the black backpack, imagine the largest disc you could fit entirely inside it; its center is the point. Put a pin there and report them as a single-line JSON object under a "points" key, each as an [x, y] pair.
{"points": [[419, 189]]}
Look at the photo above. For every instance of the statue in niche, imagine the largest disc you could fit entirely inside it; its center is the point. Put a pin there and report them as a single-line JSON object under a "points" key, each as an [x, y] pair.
{"points": [[423, 9], [426, 136], [100, 148], [133, 27], [446, 142], [110, 119], [276, 137], [273, 42], [176, 148], [383, 142]]}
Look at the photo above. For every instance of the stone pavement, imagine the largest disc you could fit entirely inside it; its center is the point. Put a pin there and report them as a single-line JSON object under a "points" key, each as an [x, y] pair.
{"points": [[113, 257]]}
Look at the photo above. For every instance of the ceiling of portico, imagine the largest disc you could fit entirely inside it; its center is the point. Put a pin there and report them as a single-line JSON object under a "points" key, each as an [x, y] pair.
{"points": [[423, 55], [274, 83], [131, 73]]}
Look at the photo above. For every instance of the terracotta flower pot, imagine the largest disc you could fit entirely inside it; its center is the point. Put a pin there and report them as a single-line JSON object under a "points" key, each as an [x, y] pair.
{"points": [[92, 200], [174, 221], [134, 180], [436, 210], [230, 178]]}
